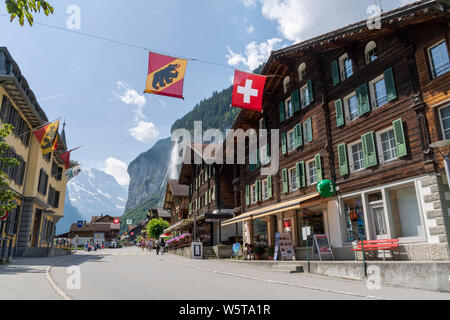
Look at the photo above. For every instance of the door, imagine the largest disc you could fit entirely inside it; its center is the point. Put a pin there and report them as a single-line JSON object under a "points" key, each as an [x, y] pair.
{"points": [[379, 221], [36, 228]]}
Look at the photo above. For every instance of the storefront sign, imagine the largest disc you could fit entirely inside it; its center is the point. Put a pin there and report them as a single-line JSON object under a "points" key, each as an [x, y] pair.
{"points": [[197, 250], [306, 231], [326, 188], [99, 237], [286, 247], [287, 225], [322, 246], [236, 249]]}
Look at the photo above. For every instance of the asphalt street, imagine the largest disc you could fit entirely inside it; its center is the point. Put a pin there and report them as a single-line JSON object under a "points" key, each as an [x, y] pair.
{"points": [[129, 273]]}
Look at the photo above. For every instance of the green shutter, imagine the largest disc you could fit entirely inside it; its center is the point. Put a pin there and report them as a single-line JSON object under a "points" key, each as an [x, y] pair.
{"points": [[390, 84], [342, 157], [269, 187], [310, 91], [335, 72], [298, 174], [283, 144], [295, 97], [258, 190], [370, 154], [190, 208], [362, 95], [339, 113], [284, 175], [281, 106], [247, 195], [301, 166], [318, 159], [298, 138], [309, 132], [399, 133]]}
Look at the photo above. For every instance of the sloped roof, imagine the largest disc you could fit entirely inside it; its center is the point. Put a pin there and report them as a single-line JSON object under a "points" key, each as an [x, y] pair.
{"points": [[178, 190]]}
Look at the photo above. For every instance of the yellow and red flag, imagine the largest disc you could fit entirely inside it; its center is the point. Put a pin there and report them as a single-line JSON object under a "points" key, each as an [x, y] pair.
{"points": [[47, 136], [165, 75]]}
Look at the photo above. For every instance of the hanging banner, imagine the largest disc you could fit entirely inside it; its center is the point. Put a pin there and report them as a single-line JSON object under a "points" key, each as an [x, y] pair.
{"points": [[73, 172], [46, 137], [248, 91], [165, 75]]}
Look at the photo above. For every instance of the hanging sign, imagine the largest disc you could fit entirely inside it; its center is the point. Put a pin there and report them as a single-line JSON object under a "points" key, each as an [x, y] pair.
{"points": [[4, 215], [73, 172], [326, 188]]}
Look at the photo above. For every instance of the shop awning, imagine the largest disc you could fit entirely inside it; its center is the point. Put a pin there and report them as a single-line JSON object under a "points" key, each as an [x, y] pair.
{"points": [[183, 223], [272, 209]]}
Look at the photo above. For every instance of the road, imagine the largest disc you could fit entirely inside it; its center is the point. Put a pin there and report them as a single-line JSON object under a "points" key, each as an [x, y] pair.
{"points": [[130, 274]]}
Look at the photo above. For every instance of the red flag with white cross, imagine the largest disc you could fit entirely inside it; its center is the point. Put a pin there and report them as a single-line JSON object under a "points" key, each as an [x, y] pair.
{"points": [[248, 90]]}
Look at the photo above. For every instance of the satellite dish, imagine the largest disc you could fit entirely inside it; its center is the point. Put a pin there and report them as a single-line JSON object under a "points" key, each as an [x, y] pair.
{"points": [[440, 144]]}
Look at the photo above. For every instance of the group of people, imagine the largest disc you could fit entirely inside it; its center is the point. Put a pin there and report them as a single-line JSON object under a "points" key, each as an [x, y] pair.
{"points": [[249, 252], [96, 246], [159, 245]]}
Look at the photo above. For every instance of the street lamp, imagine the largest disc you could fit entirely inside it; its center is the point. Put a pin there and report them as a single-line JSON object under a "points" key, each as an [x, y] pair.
{"points": [[444, 144]]}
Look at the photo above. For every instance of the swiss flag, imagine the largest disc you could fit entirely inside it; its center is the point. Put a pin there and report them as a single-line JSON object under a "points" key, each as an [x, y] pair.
{"points": [[116, 221], [248, 91]]}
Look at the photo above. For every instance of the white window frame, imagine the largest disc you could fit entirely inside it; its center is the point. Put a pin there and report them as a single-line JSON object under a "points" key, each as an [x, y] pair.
{"points": [[301, 71], [347, 106], [380, 146], [292, 174], [253, 196], [286, 108], [350, 156], [265, 189], [441, 121], [308, 175], [369, 47], [287, 84], [373, 96], [303, 92], [290, 146], [342, 68], [430, 59]]}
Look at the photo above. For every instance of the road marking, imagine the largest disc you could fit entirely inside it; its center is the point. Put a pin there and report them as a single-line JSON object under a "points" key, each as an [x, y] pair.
{"points": [[279, 282]]}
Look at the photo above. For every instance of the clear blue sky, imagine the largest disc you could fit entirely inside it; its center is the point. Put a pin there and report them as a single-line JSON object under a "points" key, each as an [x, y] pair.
{"points": [[97, 86]]}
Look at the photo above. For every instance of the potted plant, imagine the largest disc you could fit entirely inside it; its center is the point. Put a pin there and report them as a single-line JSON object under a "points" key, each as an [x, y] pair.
{"points": [[270, 252], [259, 251]]}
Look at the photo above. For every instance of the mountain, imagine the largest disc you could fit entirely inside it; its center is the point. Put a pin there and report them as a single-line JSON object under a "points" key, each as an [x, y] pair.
{"points": [[94, 192], [71, 215]]}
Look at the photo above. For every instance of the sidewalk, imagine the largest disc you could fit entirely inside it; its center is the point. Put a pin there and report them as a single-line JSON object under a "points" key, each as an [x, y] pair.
{"points": [[260, 272]]}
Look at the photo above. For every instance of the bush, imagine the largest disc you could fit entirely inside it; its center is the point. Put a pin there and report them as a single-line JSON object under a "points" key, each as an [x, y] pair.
{"points": [[270, 251]]}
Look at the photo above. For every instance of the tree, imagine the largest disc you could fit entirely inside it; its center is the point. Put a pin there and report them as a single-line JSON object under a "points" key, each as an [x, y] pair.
{"points": [[7, 200], [26, 8], [156, 227]]}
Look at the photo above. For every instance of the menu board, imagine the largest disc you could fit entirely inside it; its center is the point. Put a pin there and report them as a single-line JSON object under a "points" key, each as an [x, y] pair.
{"points": [[322, 246], [286, 247]]}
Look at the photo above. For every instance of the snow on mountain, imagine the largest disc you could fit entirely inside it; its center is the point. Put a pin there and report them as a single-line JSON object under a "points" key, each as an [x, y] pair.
{"points": [[94, 192]]}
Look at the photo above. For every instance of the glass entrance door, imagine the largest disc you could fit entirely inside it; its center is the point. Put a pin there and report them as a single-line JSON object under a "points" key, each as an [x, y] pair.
{"points": [[379, 221]]}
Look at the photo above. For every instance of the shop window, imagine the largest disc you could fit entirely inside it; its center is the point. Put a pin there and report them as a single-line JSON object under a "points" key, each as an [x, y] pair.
{"points": [[287, 84], [439, 59], [354, 219], [260, 232], [346, 67], [311, 217], [351, 107], [311, 173], [406, 215], [356, 156], [387, 145], [444, 114], [291, 140], [371, 52], [293, 179]]}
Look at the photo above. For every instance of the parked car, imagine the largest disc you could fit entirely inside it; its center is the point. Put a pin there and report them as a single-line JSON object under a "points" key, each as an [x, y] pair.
{"points": [[113, 245]]}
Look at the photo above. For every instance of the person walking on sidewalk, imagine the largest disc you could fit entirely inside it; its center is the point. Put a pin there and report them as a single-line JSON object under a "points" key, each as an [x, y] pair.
{"points": [[163, 245], [157, 247]]}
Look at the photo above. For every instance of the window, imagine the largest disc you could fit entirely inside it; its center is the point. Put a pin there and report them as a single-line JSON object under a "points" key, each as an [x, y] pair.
{"points": [[311, 172], [287, 84], [439, 60], [445, 121], [289, 108], [351, 107], [356, 156], [9, 114], [291, 140], [13, 221], [302, 71], [253, 194], [406, 214], [304, 96], [43, 182], [307, 131], [346, 66], [293, 179], [378, 92], [387, 145], [53, 197], [371, 52], [265, 189]]}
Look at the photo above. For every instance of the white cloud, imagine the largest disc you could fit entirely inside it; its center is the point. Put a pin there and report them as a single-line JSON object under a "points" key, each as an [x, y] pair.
{"points": [[255, 54], [248, 3], [130, 96], [144, 131], [250, 29], [117, 169]]}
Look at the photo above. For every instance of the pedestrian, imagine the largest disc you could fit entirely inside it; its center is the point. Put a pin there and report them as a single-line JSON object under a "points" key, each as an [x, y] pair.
{"points": [[163, 245], [86, 245], [157, 245]]}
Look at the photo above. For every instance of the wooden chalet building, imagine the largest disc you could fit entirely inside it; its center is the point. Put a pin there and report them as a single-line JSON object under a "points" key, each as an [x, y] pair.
{"points": [[360, 107], [99, 225], [176, 202]]}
